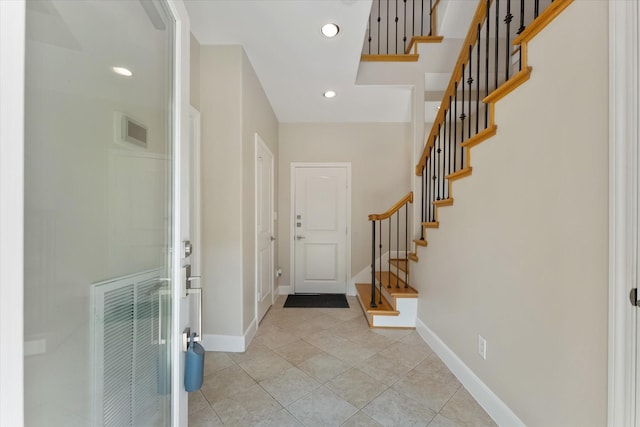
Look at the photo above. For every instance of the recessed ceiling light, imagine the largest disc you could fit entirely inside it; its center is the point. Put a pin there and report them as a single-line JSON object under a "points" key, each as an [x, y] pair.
{"points": [[330, 30], [122, 71], [329, 94]]}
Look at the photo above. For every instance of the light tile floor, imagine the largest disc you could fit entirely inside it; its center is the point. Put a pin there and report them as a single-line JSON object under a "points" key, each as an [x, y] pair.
{"points": [[325, 367]]}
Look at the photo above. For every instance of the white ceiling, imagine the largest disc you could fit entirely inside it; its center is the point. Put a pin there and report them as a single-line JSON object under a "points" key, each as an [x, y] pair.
{"points": [[296, 64]]}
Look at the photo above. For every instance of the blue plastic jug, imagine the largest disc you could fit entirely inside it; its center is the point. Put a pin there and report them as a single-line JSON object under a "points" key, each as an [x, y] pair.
{"points": [[194, 366]]}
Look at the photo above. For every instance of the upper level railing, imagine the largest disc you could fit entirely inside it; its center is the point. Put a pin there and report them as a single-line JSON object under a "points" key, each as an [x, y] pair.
{"points": [[394, 26], [487, 60]]}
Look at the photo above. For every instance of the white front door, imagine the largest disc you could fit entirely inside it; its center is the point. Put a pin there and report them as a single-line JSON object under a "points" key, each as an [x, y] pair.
{"points": [[264, 228], [320, 228]]}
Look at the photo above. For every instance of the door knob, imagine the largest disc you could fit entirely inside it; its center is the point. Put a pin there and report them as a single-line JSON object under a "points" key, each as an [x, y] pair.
{"points": [[273, 239], [300, 237]]}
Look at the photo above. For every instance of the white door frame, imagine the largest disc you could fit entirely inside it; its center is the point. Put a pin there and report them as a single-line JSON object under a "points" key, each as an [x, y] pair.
{"points": [[624, 194], [12, 48], [259, 142], [12, 45], [292, 216], [196, 222]]}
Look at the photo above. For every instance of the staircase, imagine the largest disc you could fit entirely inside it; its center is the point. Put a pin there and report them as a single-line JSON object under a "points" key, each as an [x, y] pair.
{"points": [[483, 75], [397, 306]]}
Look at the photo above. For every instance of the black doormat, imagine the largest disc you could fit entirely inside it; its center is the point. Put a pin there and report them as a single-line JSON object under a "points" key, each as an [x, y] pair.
{"points": [[317, 300]]}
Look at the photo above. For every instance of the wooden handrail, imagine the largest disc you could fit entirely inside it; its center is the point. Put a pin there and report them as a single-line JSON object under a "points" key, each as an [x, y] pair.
{"points": [[472, 37], [393, 209]]}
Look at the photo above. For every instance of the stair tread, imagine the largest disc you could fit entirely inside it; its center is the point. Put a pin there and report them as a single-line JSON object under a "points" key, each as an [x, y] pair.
{"points": [[383, 309], [420, 242], [433, 224], [386, 277], [401, 263]]}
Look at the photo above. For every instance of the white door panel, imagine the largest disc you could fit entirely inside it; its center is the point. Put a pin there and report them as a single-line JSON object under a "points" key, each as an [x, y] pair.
{"points": [[264, 228], [320, 224]]}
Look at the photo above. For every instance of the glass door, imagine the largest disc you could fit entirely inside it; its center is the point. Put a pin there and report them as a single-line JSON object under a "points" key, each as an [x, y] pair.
{"points": [[98, 213]]}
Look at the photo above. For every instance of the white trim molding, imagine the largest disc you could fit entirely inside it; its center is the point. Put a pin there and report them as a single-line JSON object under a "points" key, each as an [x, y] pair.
{"points": [[624, 148], [284, 290], [230, 343], [490, 402]]}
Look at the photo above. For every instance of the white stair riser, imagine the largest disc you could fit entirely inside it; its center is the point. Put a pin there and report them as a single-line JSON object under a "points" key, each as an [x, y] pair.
{"points": [[408, 308]]}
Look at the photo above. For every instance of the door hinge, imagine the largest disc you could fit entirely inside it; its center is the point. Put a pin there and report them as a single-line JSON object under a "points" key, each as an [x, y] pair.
{"points": [[633, 297]]}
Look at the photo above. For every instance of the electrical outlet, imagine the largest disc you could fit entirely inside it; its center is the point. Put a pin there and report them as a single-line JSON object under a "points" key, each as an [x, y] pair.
{"points": [[482, 347]]}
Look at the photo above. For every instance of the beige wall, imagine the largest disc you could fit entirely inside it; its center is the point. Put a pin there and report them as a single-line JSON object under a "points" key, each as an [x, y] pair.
{"points": [[221, 187], [379, 155], [257, 116], [521, 258], [233, 107]]}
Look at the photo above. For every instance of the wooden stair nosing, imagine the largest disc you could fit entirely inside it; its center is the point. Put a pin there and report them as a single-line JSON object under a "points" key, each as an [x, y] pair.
{"points": [[364, 296], [413, 257], [415, 40], [443, 202], [410, 57], [432, 224], [459, 174], [420, 242]]}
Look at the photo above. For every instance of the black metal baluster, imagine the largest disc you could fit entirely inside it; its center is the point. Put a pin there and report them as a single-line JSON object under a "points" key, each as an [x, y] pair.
{"points": [[478, 81], [413, 18], [397, 27], [507, 19], [462, 115], [437, 153], [379, 18], [470, 83], [522, 26], [435, 176], [455, 126], [369, 34], [389, 256], [388, 27], [450, 123], [380, 260], [397, 214], [422, 196], [422, 17], [406, 245], [497, 40], [486, 67], [443, 145], [430, 17], [404, 39], [373, 265], [427, 184], [536, 8]]}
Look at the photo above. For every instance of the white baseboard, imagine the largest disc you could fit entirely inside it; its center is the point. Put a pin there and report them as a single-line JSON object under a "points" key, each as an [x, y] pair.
{"points": [[284, 290], [229, 343], [491, 403]]}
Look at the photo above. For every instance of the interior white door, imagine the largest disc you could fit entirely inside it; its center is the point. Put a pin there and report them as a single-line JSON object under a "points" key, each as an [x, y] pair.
{"points": [[264, 228], [320, 224]]}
